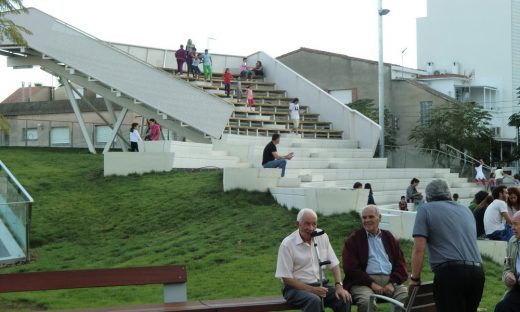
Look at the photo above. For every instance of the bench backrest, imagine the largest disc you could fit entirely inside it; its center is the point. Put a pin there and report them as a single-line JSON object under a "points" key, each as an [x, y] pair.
{"points": [[421, 299], [174, 278]]}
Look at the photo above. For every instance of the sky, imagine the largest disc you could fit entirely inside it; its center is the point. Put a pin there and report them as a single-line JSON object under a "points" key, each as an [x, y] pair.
{"points": [[238, 27]]}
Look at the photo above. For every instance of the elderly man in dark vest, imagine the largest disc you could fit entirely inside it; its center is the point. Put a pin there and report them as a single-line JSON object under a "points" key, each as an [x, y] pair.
{"points": [[373, 262]]}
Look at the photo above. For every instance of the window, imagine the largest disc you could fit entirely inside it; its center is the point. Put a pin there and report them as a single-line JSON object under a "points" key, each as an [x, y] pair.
{"points": [[345, 96], [426, 106], [60, 136], [30, 134], [102, 134]]}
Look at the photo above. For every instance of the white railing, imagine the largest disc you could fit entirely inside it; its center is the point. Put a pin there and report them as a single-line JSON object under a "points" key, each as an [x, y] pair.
{"points": [[355, 126], [165, 58]]}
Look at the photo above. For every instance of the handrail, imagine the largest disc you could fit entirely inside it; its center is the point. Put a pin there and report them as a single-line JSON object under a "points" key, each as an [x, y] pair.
{"points": [[15, 181], [444, 153], [467, 156]]}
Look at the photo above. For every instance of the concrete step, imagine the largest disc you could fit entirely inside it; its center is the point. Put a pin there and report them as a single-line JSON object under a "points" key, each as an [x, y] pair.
{"points": [[344, 163], [380, 184], [392, 197], [366, 174], [287, 140]]}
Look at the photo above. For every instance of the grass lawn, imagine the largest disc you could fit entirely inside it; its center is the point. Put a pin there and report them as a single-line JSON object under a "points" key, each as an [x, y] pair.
{"points": [[229, 241]]}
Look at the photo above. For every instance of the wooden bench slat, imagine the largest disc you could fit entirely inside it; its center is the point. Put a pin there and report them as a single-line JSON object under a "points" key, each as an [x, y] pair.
{"points": [[273, 303], [34, 281], [259, 304], [167, 307]]}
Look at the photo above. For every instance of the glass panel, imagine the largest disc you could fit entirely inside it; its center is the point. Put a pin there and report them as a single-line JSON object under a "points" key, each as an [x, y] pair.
{"points": [[15, 209]]}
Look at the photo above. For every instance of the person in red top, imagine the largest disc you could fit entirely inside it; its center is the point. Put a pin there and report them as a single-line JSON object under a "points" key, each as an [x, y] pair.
{"points": [[227, 82], [373, 262], [155, 130]]}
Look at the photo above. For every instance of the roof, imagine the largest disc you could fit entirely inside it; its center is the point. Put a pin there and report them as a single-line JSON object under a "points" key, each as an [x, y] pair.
{"points": [[431, 90], [48, 107], [442, 76], [22, 94], [343, 56]]}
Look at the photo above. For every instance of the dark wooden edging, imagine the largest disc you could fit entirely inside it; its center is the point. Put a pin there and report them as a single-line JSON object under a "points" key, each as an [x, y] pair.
{"points": [[259, 304], [34, 281]]}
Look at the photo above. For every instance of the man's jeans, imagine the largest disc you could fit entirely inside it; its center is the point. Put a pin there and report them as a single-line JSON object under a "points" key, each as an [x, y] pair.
{"points": [[277, 163], [310, 302], [502, 235]]}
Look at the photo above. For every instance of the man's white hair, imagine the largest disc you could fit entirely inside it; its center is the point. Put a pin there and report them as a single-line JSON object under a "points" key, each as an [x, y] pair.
{"points": [[372, 207], [303, 212]]}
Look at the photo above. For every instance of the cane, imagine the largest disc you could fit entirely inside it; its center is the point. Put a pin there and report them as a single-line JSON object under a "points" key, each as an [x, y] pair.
{"points": [[315, 234]]}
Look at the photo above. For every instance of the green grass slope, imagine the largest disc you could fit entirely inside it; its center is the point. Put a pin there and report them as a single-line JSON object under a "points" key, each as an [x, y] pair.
{"points": [[229, 241]]}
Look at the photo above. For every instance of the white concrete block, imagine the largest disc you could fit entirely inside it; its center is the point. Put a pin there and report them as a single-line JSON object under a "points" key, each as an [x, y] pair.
{"points": [[248, 179], [322, 200], [289, 182], [494, 249], [116, 163]]}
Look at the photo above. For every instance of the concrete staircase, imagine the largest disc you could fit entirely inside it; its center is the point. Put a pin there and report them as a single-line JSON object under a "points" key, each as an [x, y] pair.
{"points": [[334, 166], [271, 111]]}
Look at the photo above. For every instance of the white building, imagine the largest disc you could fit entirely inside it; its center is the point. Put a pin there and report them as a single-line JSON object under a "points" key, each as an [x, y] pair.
{"points": [[470, 50]]}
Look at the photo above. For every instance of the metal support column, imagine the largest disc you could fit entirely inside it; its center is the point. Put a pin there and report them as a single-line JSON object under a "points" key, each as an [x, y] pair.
{"points": [[117, 125], [86, 101], [124, 145], [75, 107]]}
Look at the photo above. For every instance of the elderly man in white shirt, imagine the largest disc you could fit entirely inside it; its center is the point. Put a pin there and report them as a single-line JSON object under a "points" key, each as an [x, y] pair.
{"points": [[298, 268]]}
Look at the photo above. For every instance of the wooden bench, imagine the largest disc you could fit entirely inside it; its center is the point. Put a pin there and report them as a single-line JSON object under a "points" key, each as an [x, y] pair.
{"points": [[420, 299], [173, 277], [263, 304]]}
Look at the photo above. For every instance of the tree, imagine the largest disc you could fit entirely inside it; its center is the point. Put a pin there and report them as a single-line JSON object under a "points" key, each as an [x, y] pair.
{"points": [[514, 121], [8, 29], [368, 108], [464, 126]]}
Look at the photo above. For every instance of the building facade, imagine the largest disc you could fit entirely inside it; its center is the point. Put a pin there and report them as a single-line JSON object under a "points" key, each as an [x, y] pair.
{"points": [[349, 79], [470, 50], [43, 117]]}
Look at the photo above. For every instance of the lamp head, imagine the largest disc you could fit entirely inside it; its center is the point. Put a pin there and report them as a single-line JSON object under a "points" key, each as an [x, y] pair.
{"points": [[383, 12]]}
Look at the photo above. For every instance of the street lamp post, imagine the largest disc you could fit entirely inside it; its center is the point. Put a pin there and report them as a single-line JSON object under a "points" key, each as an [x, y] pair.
{"points": [[381, 78], [208, 41]]}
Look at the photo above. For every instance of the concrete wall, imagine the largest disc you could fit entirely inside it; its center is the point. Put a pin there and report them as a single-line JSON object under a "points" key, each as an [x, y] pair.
{"points": [[406, 105], [333, 71]]}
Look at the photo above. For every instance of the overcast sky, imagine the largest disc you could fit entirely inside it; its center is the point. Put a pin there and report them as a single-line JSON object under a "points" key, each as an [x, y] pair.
{"points": [[240, 27]]}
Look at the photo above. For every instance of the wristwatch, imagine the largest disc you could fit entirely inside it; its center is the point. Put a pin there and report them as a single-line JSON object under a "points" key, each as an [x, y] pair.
{"points": [[415, 279], [338, 283]]}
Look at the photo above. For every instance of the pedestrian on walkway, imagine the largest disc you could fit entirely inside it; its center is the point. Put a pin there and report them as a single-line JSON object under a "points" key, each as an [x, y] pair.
{"points": [[180, 55], [207, 64], [134, 138]]}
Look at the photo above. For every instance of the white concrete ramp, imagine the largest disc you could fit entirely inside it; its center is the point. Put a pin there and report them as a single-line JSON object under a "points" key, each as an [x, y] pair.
{"points": [[81, 58]]}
